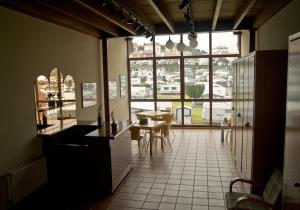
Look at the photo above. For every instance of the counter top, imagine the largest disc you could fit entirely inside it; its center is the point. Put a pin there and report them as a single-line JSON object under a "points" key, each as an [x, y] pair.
{"points": [[57, 126], [106, 132]]}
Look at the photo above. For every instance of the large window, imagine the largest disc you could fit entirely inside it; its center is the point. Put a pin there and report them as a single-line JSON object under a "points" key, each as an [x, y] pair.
{"points": [[168, 78], [196, 78], [201, 49], [222, 77], [141, 78], [160, 48], [195, 85]]}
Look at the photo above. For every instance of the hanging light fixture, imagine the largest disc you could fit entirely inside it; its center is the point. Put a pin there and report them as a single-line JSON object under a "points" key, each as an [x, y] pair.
{"points": [[169, 43], [180, 46], [193, 43], [192, 35]]}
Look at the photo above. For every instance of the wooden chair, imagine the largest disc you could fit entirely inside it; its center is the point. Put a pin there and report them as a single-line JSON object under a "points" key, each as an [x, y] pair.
{"points": [[136, 135], [163, 135], [243, 201], [169, 118], [228, 131]]}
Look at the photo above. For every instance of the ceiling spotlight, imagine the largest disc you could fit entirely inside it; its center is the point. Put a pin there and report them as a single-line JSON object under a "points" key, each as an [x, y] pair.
{"points": [[138, 27], [169, 43], [102, 2], [121, 15], [130, 20], [148, 34], [183, 4]]}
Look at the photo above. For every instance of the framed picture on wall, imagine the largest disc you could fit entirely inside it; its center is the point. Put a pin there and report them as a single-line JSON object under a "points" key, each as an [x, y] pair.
{"points": [[112, 87], [122, 79], [89, 94]]}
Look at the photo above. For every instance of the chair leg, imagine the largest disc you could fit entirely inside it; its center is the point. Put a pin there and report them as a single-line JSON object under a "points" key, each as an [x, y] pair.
{"points": [[227, 134], [173, 132], [162, 144], [168, 139]]}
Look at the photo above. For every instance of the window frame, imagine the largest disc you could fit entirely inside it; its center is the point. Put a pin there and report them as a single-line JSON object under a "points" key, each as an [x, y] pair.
{"points": [[182, 98]]}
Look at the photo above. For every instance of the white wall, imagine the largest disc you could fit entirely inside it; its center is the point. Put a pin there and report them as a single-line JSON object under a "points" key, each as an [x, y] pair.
{"points": [[117, 64], [274, 33], [31, 47]]}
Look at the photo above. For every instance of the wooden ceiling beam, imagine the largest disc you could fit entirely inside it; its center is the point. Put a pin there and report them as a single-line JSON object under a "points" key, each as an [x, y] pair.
{"points": [[242, 12], [216, 14], [70, 8], [269, 11], [39, 11], [103, 12], [131, 6], [162, 13]]}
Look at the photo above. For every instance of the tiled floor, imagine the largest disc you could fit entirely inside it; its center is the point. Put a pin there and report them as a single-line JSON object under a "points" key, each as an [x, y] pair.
{"points": [[194, 175]]}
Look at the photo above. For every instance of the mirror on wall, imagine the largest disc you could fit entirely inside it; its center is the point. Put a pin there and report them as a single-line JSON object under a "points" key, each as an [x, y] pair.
{"points": [[55, 100]]}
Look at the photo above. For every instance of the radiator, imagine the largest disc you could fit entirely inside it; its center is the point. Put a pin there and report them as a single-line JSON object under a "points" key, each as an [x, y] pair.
{"points": [[26, 179]]}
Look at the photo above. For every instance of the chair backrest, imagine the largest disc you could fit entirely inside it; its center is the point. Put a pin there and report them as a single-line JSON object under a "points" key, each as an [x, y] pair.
{"points": [[168, 118], [135, 133], [273, 187]]}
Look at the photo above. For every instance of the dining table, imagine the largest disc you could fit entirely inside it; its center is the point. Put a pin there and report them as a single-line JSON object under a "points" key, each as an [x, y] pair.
{"points": [[151, 114], [151, 125]]}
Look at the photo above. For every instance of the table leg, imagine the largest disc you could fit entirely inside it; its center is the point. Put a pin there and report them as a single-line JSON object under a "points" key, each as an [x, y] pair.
{"points": [[222, 133]]}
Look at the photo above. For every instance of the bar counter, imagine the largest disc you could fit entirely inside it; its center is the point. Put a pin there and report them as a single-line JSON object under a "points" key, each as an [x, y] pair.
{"points": [[83, 158]]}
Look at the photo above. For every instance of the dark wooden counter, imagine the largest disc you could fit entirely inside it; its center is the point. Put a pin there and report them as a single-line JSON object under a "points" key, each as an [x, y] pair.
{"points": [[105, 131], [88, 160]]}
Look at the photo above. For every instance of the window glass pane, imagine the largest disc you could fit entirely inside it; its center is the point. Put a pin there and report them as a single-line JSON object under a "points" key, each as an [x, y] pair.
{"points": [[42, 90], [193, 113], [224, 43], [168, 78], [220, 110], [160, 45], [140, 47], [137, 107], [201, 49], [170, 106], [141, 73], [222, 77], [196, 76]]}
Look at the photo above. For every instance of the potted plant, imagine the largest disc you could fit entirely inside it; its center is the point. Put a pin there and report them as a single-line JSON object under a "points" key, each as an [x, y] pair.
{"points": [[113, 124]]}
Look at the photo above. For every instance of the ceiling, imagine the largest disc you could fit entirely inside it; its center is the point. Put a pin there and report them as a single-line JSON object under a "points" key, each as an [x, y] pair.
{"points": [[113, 18]]}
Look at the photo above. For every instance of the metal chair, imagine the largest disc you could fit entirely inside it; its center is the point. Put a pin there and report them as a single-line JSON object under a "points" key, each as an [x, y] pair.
{"points": [[243, 201]]}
